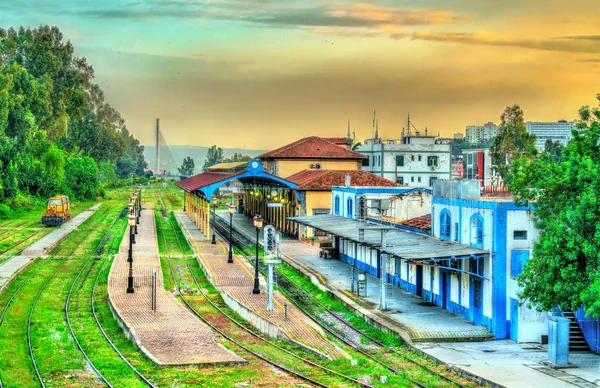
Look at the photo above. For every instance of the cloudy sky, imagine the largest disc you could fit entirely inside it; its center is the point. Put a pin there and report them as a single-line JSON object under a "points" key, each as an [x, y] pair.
{"points": [[261, 73]]}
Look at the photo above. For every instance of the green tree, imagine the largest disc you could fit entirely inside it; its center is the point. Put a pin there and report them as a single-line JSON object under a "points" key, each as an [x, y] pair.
{"points": [[82, 177], [187, 168], [564, 268], [213, 156], [554, 149], [512, 142]]}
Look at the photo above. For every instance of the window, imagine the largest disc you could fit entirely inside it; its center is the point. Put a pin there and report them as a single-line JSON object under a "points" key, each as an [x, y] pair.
{"points": [[419, 158], [336, 205], [349, 210], [418, 179], [412, 178], [476, 265], [456, 231], [477, 231], [318, 212], [365, 162], [520, 235], [518, 259], [412, 158], [400, 180], [431, 180], [399, 160], [432, 161], [445, 224]]}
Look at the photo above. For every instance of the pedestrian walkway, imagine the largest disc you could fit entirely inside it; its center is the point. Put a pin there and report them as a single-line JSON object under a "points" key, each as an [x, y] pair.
{"points": [[13, 266], [517, 365], [235, 282], [172, 335], [422, 321]]}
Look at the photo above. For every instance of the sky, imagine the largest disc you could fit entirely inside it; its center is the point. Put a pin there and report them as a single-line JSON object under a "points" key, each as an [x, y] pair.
{"points": [[258, 74]]}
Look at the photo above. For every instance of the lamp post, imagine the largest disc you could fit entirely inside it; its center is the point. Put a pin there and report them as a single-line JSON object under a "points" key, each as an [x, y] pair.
{"points": [[131, 221], [139, 195], [214, 235], [258, 223], [135, 212], [231, 209], [131, 214]]}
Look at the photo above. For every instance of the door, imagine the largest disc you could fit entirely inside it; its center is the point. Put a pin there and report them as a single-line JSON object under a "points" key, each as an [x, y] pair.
{"points": [[514, 320], [420, 280], [477, 301], [445, 289]]}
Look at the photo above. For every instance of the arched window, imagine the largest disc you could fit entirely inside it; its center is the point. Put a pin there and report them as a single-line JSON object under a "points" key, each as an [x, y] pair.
{"points": [[445, 225], [477, 231], [349, 210], [336, 205]]}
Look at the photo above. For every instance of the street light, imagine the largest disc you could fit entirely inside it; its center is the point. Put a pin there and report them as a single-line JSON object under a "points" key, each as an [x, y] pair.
{"points": [[131, 215], [258, 223], [231, 209], [214, 236], [136, 211], [131, 221]]}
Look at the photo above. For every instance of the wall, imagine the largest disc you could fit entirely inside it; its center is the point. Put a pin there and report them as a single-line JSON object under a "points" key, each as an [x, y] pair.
{"points": [[532, 324], [315, 200], [286, 168], [412, 169]]}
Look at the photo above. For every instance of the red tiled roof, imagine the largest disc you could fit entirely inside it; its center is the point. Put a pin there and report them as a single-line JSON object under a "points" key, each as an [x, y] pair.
{"points": [[204, 179], [313, 147], [325, 179], [422, 222], [341, 141]]}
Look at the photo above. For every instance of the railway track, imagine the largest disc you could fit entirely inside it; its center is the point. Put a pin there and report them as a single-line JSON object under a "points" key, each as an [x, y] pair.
{"points": [[322, 373], [303, 300]]}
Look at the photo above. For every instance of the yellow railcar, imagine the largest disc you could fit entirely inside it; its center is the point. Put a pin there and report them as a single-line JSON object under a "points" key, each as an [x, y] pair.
{"points": [[58, 210]]}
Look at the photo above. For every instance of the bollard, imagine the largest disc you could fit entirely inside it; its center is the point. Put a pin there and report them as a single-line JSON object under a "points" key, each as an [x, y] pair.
{"points": [[285, 310], [214, 238]]}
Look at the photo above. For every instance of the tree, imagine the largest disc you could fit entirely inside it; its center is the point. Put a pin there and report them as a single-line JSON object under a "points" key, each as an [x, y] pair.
{"points": [[82, 177], [355, 146], [564, 268], [554, 149], [512, 141], [213, 156], [237, 157], [187, 168]]}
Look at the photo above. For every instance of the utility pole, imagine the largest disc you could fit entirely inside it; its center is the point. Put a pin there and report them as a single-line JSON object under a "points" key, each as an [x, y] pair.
{"points": [[157, 147], [383, 272]]}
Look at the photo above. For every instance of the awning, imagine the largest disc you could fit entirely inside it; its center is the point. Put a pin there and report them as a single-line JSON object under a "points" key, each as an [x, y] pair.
{"points": [[401, 243]]}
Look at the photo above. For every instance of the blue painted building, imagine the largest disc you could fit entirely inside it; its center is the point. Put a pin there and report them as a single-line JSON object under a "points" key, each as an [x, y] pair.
{"points": [[484, 290]]}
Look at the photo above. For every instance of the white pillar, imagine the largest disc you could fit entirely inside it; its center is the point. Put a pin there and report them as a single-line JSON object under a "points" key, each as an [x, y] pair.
{"points": [[270, 287]]}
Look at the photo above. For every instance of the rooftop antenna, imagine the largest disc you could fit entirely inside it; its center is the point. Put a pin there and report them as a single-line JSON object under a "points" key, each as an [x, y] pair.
{"points": [[408, 126], [425, 131], [377, 129], [373, 129], [348, 134]]}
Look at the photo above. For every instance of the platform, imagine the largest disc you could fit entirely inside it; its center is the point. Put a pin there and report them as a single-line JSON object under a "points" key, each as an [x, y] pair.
{"points": [[235, 282], [13, 266], [172, 335]]}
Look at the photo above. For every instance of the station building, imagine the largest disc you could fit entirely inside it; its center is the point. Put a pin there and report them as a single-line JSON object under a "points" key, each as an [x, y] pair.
{"points": [[464, 262]]}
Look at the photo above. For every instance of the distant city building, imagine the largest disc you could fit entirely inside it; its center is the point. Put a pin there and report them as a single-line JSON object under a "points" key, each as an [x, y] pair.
{"points": [[458, 136], [415, 160], [477, 164], [476, 134], [457, 167], [556, 131]]}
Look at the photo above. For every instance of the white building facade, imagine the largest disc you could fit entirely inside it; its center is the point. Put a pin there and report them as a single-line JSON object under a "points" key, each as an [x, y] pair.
{"points": [[485, 290], [555, 131], [414, 160], [476, 134]]}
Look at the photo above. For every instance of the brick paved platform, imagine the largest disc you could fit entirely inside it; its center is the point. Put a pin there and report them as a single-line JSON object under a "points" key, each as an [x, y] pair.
{"points": [[172, 335], [235, 281]]}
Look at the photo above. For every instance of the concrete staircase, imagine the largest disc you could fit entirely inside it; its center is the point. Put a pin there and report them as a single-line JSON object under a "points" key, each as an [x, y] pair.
{"points": [[577, 341]]}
